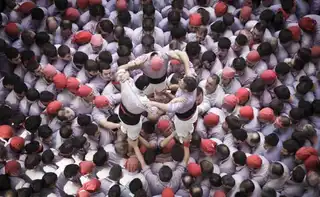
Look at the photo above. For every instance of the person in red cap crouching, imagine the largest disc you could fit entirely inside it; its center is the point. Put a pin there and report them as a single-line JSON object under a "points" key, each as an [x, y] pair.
{"points": [[228, 82], [49, 72], [248, 116], [103, 110], [259, 167], [155, 65], [310, 24], [166, 177], [83, 103], [211, 124], [230, 105], [254, 62]]}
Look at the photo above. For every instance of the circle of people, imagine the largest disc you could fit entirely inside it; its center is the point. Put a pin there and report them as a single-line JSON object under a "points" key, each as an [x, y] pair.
{"points": [[162, 98]]}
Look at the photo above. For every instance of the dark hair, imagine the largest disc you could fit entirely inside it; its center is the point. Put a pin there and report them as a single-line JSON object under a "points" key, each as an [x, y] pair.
{"points": [[242, 40], [291, 146], [272, 139], [44, 131], [32, 123], [205, 16], [282, 92], [304, 54], [41, 38], [114, 191], [218, 27], [298, 174], [247, 186], [32, 160], [215, 180], [224, 43], [228, 180], [49, 178], [149, 156], [20, 88], [47, 156], [287, 5], [240, 158], [63, 50], [83, 120], [190, 83], [91, 65], [282, 68], [124, 17], [66, 24], [239, 134], [193, 49], [105, 56], [148, 24], [27, 55], [65, 131], [135, 185], [46, 96], [91, 129], [177, 153], [106, 26], [285, 36], [209, 56], [147, 40], [239, 63], [196, 191], [71, 170], [49, 50], [277, 169], [123, 51], [265, 49], [100, 157], [61, 4], [233, 122], [37, 14], [228, 19], [148, 9], [178, 32], [36, 185], [97, 10], [165, 174], [10, 80], [11, 52], [267, 16], [174, 17]]}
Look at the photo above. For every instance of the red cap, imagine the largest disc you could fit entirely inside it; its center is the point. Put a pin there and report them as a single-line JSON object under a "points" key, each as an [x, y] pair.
{"points": [[254, 161], [253, 56], [231, 100], [60, 81], [243, 94], [84, 91], [296, 32], [175, 62], [17, 143], [245, 12], [268, 76], [6, 131], [12, 167], [53, 107], [121, 5], [168, 147], [308, 24], [156, 63], [26, 7], [101, 101], [267, 114], [312, 163], [194, 169], [195, 19], [305, 152], [228, 72], [95, 2], [211, 120], [71, 14], [315, 51], [73, 83], [86, 167], [167, 192], [92, 185], [12, 30], [208, 146], [246, 112], [82, 4], [163, 125], [219, 193], [82, 37], [221, 8]]}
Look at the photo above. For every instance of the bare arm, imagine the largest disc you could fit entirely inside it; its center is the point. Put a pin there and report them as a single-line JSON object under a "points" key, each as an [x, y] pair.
{"points": [[145, 142], [109, 125], [166, 140], [137, 63], [186, 154], [181, 55]]}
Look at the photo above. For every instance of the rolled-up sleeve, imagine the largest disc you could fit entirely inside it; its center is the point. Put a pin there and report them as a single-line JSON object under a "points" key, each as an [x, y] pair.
{"points": [[173, 107]]}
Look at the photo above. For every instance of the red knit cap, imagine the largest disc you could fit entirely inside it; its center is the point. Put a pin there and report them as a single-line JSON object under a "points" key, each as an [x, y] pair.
{"points": [[243, 95], [254, 161], [167, 192], [211, 120], [6, 131], [246, 112], [268, 76], [208, 146], [195, 19], [17, 143], [308, 24], [12, 30], [194, 169], [305, 152], [296, 32], [221, 8]]}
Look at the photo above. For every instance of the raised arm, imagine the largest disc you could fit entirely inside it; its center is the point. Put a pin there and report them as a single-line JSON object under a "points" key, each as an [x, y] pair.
{"points": [[182, 56], [137, 63]]}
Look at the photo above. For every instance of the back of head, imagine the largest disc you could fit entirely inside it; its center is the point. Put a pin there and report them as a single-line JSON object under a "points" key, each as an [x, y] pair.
{"points": [[114, 191], [196, 191], [247, 186], [165, 174], [142, 82], [276, 169], [215, 180], [187, 180]]}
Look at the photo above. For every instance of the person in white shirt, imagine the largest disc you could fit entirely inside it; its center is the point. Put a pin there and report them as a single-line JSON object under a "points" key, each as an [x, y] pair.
{"points": [[259, 167]]}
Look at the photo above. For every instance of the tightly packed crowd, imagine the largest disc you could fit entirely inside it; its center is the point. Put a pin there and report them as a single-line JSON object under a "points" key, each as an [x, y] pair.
{"points": [[160, 98]]}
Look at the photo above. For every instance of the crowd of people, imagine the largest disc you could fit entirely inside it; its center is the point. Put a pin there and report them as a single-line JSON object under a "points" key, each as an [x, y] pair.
{"points": [[159, 98]]}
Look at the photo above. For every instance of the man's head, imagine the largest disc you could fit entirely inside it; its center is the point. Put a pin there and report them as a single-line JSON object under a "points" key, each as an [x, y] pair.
{"points": [[189, 84]]}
